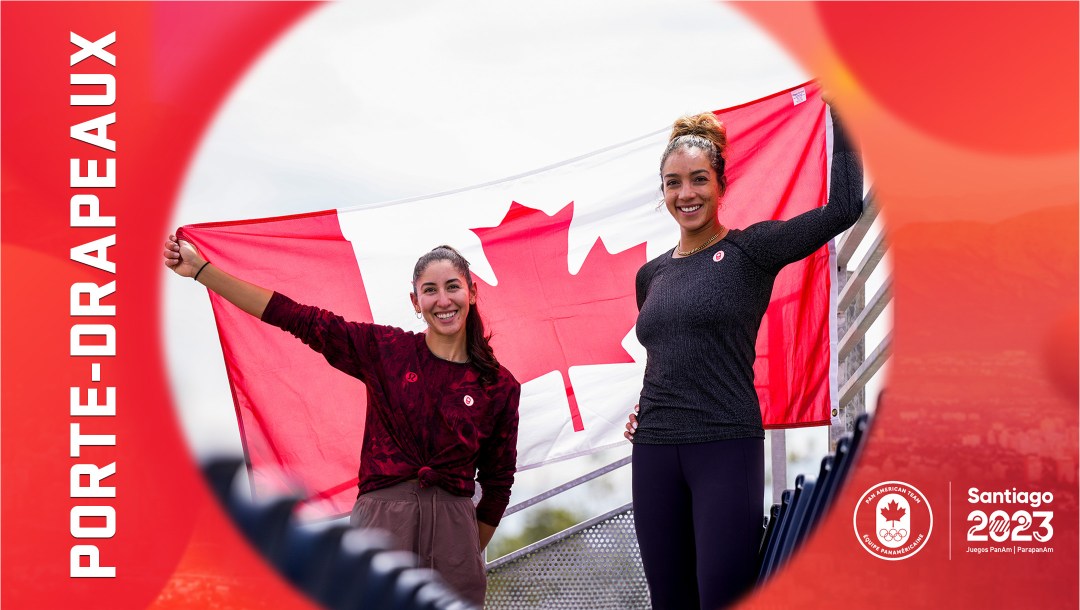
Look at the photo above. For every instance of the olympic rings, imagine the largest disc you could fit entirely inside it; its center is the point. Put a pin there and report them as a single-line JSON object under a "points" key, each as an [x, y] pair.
{"points": [[892, 535]]}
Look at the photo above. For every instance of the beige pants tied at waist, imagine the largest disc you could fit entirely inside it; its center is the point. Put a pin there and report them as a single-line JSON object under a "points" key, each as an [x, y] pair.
{"points": [[433, 523]]}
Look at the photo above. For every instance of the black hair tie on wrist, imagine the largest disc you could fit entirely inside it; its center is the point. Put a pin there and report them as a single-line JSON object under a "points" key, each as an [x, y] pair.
{"points": [[196, 278]]}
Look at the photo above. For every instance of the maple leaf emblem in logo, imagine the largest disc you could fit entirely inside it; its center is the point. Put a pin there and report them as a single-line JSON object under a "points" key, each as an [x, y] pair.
{"points": [[544, 318], [893, 512]]}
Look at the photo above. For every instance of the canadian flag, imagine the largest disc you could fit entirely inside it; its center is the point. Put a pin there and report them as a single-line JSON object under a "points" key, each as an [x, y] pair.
{"points": [[554, 253]]}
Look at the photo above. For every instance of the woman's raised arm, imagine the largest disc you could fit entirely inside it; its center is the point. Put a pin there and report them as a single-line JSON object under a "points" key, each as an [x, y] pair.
{"points": [[185, 261], [773, 244]]}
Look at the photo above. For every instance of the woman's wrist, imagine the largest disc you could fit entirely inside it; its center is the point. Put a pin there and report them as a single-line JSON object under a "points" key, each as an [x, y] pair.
{"points": [[201, 267]]}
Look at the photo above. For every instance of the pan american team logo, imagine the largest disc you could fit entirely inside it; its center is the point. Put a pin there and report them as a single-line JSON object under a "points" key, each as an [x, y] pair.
{"points": [[893, 520]]}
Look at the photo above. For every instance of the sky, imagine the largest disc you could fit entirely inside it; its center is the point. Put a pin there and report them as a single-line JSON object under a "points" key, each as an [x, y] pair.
{"points": [[363, 103]]}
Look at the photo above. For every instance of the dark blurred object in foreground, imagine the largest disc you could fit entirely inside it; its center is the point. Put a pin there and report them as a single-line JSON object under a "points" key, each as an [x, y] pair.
{"points": [[339, 567]]}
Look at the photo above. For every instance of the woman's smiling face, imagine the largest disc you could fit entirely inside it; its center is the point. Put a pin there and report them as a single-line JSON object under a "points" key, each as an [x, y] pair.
{"points": [[442, 295], [691, 190]]}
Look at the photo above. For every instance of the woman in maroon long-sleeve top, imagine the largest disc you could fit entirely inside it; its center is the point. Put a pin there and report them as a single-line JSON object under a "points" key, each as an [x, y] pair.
{"points": [[441, 410]]}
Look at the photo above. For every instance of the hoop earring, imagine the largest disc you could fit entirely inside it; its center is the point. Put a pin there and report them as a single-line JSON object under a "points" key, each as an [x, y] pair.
{"points": [[419, 316]]}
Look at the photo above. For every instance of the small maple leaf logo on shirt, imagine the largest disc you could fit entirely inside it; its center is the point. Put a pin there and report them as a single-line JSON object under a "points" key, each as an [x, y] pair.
{"points": [[543, 317], [893, 512]]}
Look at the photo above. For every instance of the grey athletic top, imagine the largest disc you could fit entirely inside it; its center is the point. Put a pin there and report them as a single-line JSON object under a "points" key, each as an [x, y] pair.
{"points": [[698, 318]]}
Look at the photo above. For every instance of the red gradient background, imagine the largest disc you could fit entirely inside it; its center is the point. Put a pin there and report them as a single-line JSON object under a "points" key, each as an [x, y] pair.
{"points": [[967, 116]]}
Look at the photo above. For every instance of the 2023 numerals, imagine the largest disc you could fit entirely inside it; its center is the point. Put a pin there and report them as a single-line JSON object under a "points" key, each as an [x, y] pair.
{"points": [[1001, 527]]}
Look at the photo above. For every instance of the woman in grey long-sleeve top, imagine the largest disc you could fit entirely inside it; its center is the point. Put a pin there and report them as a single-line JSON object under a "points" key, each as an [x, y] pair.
{"points": [[698, 458]]}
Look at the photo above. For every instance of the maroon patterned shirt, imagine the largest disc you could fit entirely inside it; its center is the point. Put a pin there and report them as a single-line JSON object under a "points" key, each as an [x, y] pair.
{"points": [[427, 418]]}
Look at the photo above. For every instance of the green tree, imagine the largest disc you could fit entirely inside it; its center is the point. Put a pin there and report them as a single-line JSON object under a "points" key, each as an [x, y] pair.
{"points": [[540, 523]]}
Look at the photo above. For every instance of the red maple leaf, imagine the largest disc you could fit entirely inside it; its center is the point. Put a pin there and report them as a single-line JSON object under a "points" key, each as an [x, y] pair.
{"points": [[544, 318], [893, 512]]}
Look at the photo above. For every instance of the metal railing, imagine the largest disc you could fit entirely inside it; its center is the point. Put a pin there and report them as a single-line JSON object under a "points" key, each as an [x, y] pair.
{"points": [[594, 564], [857, 313]]}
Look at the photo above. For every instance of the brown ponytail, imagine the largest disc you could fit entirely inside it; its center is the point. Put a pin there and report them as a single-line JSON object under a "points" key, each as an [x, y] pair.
{"points": [[703, 131], [477, 341]]}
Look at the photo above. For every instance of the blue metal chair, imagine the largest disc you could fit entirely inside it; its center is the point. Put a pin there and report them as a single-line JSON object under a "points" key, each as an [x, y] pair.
{"points": [[769, 563]]}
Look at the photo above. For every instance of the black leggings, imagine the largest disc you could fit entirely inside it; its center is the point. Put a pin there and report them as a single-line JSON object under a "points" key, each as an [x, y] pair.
{"points": [[698, 512]]}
